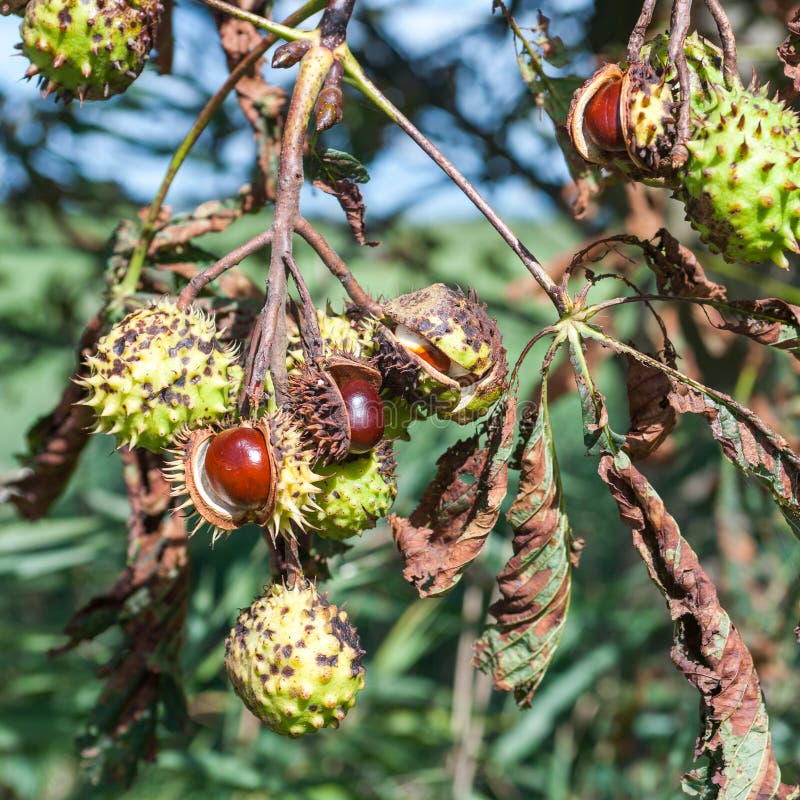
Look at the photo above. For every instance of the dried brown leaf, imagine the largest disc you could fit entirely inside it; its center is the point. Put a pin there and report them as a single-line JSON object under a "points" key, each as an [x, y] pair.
{"points": [[707, 649], [770, 321], [652, 416], [678, 272], [149, 602], [536, 582], [349, 196], [459, 508], [56, 442], [789, 54]]}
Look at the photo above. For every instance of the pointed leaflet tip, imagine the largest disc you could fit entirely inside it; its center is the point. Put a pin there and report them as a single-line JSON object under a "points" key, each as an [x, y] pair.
{"points": [[86, 71], [32, 71], [59, 60]]}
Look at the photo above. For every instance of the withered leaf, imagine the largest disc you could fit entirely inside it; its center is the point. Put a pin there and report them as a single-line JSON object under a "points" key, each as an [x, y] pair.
{"points": [[652, 416], [707, 648], [535, 584], [677, 270], [789, 53], [748, 442], [349, 196], [55, 442], [770, 321], [459, 508], [149, 603]]}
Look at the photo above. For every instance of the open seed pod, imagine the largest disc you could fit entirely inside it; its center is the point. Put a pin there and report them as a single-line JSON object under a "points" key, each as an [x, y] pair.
{"points": [[438, 348], [245, 472], [624, 119], [739, 172], [338, 399]]}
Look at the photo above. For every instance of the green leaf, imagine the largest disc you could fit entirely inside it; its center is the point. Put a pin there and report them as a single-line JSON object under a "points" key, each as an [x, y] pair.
{"points": [[337, 165], [536, 583]]}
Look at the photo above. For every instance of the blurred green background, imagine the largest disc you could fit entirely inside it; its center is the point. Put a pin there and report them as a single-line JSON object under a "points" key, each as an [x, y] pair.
{"points": [[613, 718]]}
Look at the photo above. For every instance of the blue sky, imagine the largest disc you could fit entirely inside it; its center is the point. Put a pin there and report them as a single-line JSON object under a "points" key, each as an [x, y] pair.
{"points": [[400, 174]]}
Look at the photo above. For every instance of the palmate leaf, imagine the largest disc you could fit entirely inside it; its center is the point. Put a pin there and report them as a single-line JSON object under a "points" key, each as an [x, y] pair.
{"points": [[459, 508], [707, 648], [535, 585], [746, 440]]}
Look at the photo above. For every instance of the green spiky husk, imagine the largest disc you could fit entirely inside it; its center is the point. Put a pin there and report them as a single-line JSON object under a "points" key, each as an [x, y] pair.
{"points": [[158, 371], [740, 182], [295, 661], [355, 494], [342, 334], [90, 49]]}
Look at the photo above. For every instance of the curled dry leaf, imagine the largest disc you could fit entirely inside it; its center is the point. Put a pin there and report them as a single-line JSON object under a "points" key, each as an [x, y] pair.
{"points": [[536, 582], [770, 321], [149, 602], [748, 442], [56, 442], [652, 416], [459, 508], [349, 196], [789, 54], [677, 270], [707, 648]]}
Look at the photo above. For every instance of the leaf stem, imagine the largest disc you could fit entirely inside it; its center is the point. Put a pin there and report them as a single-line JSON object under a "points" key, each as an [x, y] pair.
{"points": [[359, 79]]}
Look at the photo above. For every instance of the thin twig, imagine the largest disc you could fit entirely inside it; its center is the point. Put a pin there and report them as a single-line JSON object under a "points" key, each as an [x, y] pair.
{"points": [[310, 332], [679, 28], [268, 343], [337, 267], [129, 282], [727, 37], [639, 31], [359, 78], [202, 279]]}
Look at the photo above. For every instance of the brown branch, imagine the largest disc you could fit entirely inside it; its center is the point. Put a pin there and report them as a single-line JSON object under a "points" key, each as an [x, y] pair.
{"points": [[202, 279], [337, 267], [639, 31]]}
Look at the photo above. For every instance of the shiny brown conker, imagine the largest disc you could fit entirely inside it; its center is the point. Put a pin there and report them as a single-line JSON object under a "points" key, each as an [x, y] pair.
{"points": [[238, 469], [365, 412], [602, 117]]}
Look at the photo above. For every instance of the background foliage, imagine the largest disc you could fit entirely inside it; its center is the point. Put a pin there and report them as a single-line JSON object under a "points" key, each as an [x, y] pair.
{"points": [[612, 718]]}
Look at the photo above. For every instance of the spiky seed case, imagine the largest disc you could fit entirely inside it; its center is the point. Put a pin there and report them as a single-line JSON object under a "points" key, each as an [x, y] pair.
{"points": [[89, 49], [158, 371], [354, 495], [295, 660]]}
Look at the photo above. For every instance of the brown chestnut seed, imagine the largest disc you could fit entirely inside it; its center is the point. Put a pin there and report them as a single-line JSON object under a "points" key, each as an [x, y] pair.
{"points": [[364, 412], [238, 469], [429, 353], [602, 117]]}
